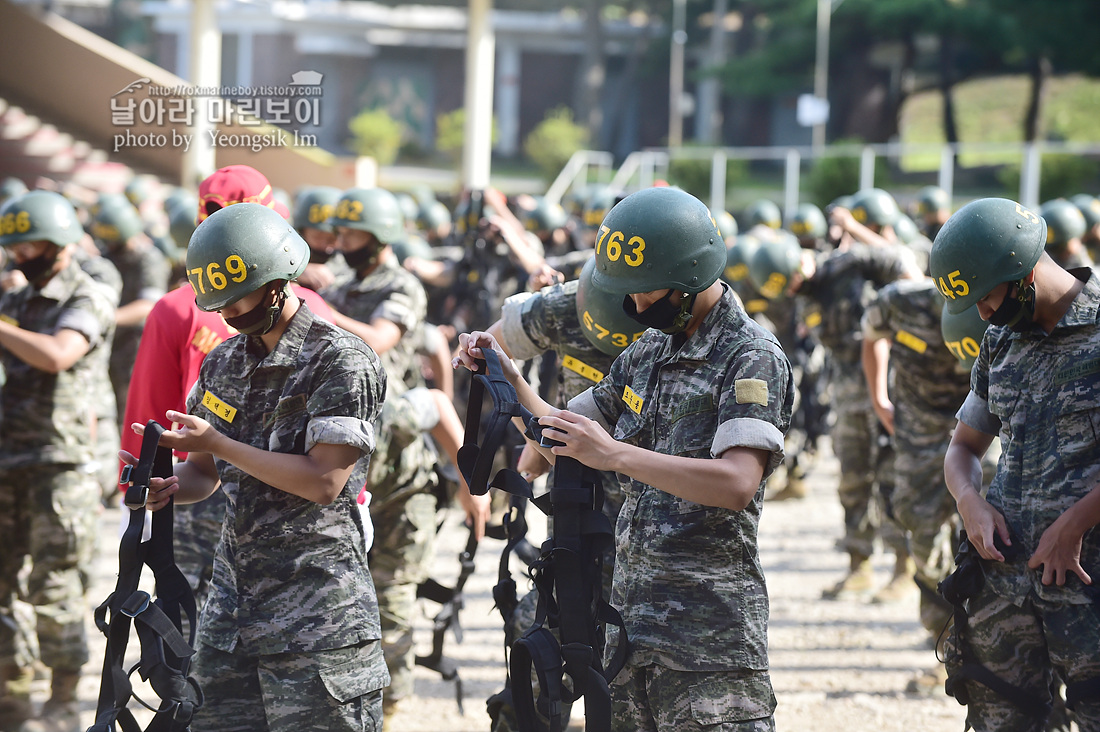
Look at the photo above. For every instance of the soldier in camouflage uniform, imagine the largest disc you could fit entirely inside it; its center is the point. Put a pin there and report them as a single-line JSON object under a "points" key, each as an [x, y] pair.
{"points": [[586, 328], [838, 284], [50, 332], [385, 305], [282, 420], [144, 270], [313, 207], [1036, 385], [901, 331], [692, 417]]}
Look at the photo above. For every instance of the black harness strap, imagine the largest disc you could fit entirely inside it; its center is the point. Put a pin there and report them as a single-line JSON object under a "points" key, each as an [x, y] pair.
{"points": [[451, 602], [165, 654], [958, 588]]}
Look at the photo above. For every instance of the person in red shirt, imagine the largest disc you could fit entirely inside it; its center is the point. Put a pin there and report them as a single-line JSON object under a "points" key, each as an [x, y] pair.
{"points": [[176, 339]]}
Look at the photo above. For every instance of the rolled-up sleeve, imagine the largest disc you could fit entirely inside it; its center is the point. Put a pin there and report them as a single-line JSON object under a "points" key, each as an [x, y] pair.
{"points": [[974, 413], [340, 431]]}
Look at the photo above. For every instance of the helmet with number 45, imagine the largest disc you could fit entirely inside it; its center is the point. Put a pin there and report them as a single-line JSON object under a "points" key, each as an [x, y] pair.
{"points": [[984, 244], [239, 249]]}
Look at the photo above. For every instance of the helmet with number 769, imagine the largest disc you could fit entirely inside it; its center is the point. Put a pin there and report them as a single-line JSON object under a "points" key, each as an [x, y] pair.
{"points": [[239, 249]]}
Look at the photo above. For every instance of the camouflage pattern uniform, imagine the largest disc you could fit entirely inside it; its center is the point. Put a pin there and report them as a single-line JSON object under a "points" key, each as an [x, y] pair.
{"points": [[394, 294], [696, 608], [844, 282], [145, 273], [48, 497], [1040, 392], [929, 387], [103, 272], [402, 482], [288, 638], [403, 502]]}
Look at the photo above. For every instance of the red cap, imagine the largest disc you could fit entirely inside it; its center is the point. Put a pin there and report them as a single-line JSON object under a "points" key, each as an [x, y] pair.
{"points": [[235, 184]]}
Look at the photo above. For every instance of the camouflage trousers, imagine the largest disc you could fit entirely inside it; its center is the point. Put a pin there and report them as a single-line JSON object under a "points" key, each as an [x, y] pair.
{"points": [[653, 698], [1024, 645], [926, 511], [334, 690], [106, 456], [404, 544], [48, 517], [866, 466]]}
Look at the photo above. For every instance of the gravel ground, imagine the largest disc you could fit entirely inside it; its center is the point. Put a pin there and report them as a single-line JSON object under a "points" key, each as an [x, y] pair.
{"points": [[836, 666]]}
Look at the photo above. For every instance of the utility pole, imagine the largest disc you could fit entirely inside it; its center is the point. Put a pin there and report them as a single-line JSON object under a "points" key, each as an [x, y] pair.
{"points": [[676, 75], [821, 66]]}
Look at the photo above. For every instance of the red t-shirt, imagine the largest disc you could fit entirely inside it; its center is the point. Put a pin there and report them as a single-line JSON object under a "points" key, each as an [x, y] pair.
{"points": [[176, 338]]}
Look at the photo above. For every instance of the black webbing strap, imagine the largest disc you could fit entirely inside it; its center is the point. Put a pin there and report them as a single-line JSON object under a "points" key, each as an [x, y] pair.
{"points": [[958, 588], [475, 457], [165, 654], [452, 602]]}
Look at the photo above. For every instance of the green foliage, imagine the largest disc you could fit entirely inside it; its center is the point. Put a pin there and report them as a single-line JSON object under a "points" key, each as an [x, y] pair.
{"points": [[836, 176], [375, 133], [554, 140], [1061, 176], [693, 174], [450, 132]]}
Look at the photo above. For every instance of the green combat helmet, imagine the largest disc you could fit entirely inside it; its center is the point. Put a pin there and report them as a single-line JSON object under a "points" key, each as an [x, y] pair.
{"points": [[371, 209], [808, 222], [984, 244], [412, 246], [432, 215], [314, 207], [599, 201], [139, 190], [727, 225], [931, 199], [1089, 206], [656, 239], [906, 229], [773, 264], [239, 249], [409, 207], [738, 257], [603, 320], [115, 220], [874, 206], [11, 187], [546, 216], [763, 212], [39, 216], [182, 221], [1064, 222], [962, 334]]}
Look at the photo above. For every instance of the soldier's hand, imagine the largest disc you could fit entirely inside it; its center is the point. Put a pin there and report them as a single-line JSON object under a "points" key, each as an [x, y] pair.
{"points": [[470, 347], [193, 434], [160, 489], [1059, 552], [981, 520], [584, 439], [478, 509]]}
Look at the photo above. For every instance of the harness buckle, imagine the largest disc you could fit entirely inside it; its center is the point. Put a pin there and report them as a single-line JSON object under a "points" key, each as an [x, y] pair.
{"points": [[135, 604]]}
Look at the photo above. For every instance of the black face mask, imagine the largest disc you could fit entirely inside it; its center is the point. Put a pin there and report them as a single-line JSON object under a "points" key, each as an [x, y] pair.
{"points": [[261, 319], [364, 257], [662, 315], [1017, 309], [36, 269], [318, 256]]}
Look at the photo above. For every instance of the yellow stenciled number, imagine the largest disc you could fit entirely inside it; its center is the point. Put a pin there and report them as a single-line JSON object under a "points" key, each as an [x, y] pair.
{"points": [[635, 257], [349, 210], [236, 267], [955, 287], [1029, 215], [214, 274], [615, 246], [319, 213], [599, 239], [195, 275], [15, 223]]}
